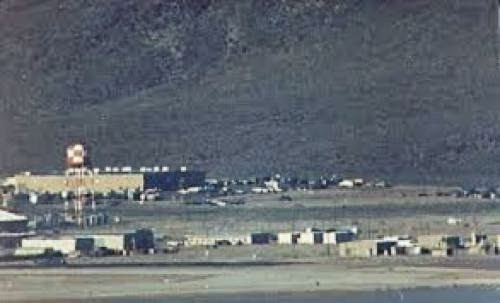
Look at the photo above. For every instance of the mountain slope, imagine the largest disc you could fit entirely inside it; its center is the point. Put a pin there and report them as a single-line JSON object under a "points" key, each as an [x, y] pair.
{"points": [[382, 88]]}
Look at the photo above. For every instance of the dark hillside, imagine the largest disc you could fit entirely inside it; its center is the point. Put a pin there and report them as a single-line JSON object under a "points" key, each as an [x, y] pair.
{"points": [[404, 89]]}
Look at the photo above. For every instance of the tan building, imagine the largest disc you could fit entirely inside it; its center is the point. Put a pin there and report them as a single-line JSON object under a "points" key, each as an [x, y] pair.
{"points": [[495, 239], [60, 183], [432, 242], [439, 253], [120, 243], [369, 248], [66, 244], [358, 249]]}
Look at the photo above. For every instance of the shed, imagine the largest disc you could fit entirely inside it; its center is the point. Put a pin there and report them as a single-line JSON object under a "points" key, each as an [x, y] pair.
{"points": [[368, 248], [262, 238], [360, 249], [201, 240], [430, 242], [144, 239], [330, 237], [13, 240], [345, 236], [333, 236], [288, 237], [310, 236], [386, 247]]}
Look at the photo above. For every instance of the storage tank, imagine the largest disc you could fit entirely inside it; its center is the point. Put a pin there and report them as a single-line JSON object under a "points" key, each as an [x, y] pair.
{"points": [[77, 156]]}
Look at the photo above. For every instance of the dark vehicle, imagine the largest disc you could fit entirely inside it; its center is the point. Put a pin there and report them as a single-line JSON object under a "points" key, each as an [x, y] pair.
{"points": [[171, 249], [240, 201], [286, 198], [102, 252], [50, 258]]}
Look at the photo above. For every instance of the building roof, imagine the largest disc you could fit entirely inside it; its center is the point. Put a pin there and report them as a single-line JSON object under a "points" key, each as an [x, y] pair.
{"points": [[49, 238], [6, 216]]}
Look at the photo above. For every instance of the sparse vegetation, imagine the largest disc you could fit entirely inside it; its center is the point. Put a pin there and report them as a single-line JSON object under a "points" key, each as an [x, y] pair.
{"points": [[401, 90]]}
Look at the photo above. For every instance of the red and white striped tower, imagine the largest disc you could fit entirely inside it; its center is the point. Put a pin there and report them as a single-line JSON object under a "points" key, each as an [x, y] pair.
{"points": [[79, 179]]}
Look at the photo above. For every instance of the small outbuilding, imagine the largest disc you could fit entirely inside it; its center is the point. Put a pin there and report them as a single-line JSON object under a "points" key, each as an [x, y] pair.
{"points": [[117, 243], [434, 243], [310, 236], [346, 184], [262, 238], [358, 249], [333, 236], [288, 237], [203, 240]]}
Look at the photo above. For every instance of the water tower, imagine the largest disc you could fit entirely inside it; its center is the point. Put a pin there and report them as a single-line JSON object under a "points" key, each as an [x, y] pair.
{"points": [[79, 181]]}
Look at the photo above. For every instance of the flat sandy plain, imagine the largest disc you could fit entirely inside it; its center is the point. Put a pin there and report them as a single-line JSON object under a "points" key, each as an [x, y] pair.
{"points": [[409, 210], [88, 284]]}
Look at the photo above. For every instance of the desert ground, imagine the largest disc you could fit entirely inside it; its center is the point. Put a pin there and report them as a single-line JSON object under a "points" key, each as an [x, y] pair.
{"points": [[410, 210], [62, 284], [400, 210]]}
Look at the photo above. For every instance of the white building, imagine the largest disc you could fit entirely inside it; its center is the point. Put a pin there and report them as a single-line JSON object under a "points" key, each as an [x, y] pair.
{"points": [[286, 237], [330, 237], [200, 240], [310, 237]]}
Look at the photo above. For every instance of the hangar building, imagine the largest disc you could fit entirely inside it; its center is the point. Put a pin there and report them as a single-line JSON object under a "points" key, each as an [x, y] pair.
{"points": [[13, 228]]}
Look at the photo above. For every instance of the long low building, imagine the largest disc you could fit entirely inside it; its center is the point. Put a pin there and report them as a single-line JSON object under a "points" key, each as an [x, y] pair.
{"points": [[59, 183], [359, 249], [13, 228], [12, 223], [107, 182], [201, 240], [118, 243], [440, 242], [388, 246], [65, 244], [312, 236], [140, 240]]}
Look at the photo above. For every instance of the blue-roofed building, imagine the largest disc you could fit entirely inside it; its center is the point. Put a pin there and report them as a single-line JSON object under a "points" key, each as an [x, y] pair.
{"points": [[174, 180]]}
